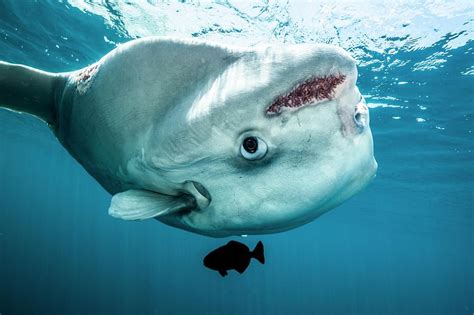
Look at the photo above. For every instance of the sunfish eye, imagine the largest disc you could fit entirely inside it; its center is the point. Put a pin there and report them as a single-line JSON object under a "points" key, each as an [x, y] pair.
{"points": [[250, 144], [253, 148]]}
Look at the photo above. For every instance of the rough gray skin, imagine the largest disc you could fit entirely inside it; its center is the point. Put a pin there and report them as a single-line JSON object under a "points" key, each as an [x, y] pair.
{"points": [[160, 123]]}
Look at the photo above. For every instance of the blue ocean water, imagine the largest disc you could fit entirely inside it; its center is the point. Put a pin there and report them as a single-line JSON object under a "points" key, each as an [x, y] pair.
{"points": [[405, 245]]}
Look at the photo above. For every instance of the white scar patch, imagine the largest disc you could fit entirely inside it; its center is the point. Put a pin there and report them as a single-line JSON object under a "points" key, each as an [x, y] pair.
{"points": [[85, 78]]}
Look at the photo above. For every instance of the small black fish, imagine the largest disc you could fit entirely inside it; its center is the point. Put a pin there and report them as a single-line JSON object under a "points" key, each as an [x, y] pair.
{"points": [[233, 255]]}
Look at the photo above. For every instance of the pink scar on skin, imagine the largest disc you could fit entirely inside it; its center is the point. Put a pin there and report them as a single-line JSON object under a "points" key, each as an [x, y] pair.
{"points": [[87, 73], [84, 78], [307, 92]]}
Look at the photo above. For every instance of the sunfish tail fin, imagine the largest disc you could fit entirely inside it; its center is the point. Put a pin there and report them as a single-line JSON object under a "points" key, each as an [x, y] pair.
{"points": [[258, 254], [25, 89]]}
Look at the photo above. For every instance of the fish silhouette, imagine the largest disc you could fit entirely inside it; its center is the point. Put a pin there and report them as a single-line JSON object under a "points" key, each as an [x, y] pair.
{"points": [[233, 255]]}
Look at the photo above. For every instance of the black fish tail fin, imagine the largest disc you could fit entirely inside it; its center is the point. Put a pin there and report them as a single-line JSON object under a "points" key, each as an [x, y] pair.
{"points": [[257, 252]]}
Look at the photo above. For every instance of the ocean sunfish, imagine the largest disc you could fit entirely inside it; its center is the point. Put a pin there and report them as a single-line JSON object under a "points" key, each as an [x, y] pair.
{"points": [[214, 139]]}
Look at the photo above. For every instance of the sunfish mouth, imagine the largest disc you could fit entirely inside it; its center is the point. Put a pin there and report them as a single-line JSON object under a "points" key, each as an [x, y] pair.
{"points": [[200, 194]]}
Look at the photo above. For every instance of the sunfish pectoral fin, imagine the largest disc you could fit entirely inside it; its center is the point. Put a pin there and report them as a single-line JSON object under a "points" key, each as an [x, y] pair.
{"points": [[142, 204]]}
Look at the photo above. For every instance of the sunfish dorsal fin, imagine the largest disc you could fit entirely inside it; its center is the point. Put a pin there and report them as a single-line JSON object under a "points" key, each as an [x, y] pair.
{"points": [[143, 204], [29, 90]]}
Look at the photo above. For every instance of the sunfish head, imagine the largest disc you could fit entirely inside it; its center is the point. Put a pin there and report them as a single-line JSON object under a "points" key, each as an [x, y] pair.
{"points": [[278, 137]]}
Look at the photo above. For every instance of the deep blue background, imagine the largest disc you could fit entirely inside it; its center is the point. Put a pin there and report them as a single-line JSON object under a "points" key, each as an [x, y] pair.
{"points": [[403, 245]]}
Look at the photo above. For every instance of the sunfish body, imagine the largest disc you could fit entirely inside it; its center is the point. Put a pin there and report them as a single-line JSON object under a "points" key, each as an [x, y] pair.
{"points": [[233, 255], [213, 139]]}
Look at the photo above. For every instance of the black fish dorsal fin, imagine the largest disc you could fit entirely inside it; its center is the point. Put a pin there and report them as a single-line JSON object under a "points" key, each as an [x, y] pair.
{"points": [[234, 243]]}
